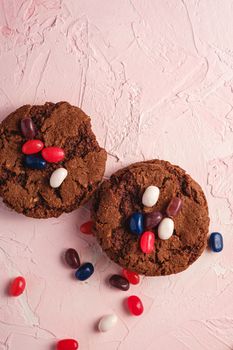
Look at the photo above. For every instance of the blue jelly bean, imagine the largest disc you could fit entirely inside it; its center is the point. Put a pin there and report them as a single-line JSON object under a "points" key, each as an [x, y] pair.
{"points": [[34, 162], [84, 271], [136, 223], [216, 242]]}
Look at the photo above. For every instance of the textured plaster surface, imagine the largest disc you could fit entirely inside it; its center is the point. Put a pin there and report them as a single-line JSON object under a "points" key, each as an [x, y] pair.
{"points": [[157, 78]]}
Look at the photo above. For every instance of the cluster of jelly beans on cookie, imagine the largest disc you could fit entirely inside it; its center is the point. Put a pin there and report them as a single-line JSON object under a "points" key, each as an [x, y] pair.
{"points": [[37, 156], [142, 224]]}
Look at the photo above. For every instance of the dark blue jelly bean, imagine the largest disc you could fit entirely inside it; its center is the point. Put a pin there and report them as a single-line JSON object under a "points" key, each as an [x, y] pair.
{"points": [[136, 223], [216, 242], [84, 271], [34, 162]]}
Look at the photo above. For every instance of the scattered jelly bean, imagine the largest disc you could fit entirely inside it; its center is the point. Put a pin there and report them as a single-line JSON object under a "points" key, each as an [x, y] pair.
{"points": [[150, 196], [166, 228], [131, 276], [136, 223], [34, 162], [174, 206], [53, 154], [119, 282], [28, 128], [135, 305], [57, 177], [84, 271], [72, 258], [152, 219], [87, 228], [107, 322], [17, 286], [147, 242], [32, 146], [67, 344], [216, 242]]}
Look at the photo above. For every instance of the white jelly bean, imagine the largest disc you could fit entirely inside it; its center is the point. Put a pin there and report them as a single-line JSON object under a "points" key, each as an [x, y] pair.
{"points": [[107, 322], [57, 177], [166, 228], [150, 196]]}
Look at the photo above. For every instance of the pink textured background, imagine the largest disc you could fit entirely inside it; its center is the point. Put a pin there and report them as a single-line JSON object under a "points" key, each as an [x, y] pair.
{"points": [[157, 78]]}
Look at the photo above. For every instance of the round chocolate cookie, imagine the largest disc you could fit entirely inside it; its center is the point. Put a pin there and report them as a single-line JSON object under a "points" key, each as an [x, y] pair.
{"points": [[28, 191], [121, 196]]}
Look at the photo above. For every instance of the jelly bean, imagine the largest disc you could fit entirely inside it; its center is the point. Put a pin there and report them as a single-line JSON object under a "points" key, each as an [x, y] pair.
{"points": [[150, 196], [119, 282], [87, 228], [53, 154], [166, 228], [216, 242], [135, 305], [153, 219], [84, 271], [147, 242], [136, 223], [57, 177], [34, 162], [67, 344], [131, 276], [174, 206], [32, 146], [107, 322], [72, 258], [17, 286], [28, 128]]}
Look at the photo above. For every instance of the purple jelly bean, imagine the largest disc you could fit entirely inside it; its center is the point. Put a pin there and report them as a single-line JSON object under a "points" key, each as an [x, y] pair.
{"points": [[28, 128], [152, 219], [174, 206], [119, 282]]}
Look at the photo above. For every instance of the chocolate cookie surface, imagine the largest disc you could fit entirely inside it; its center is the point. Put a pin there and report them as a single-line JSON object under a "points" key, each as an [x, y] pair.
{"points": [[28, 191], [121, 196]]}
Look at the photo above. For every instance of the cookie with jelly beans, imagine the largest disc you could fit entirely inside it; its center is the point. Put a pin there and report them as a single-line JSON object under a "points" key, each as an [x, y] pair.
{"points": [[50, 160], [151, 218]]}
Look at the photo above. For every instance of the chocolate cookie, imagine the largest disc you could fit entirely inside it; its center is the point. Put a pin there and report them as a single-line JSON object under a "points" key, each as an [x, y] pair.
{"points": [[27, 190], [121, 196]]}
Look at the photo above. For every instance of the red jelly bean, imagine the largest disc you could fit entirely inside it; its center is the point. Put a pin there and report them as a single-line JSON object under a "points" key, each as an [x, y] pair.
{"points": [[131, 276], [147, 242], [28, 128], [135, 305], [67, 344], [17, 286], [174, 207], [53, 154], [32, 146], [87, 228]]}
